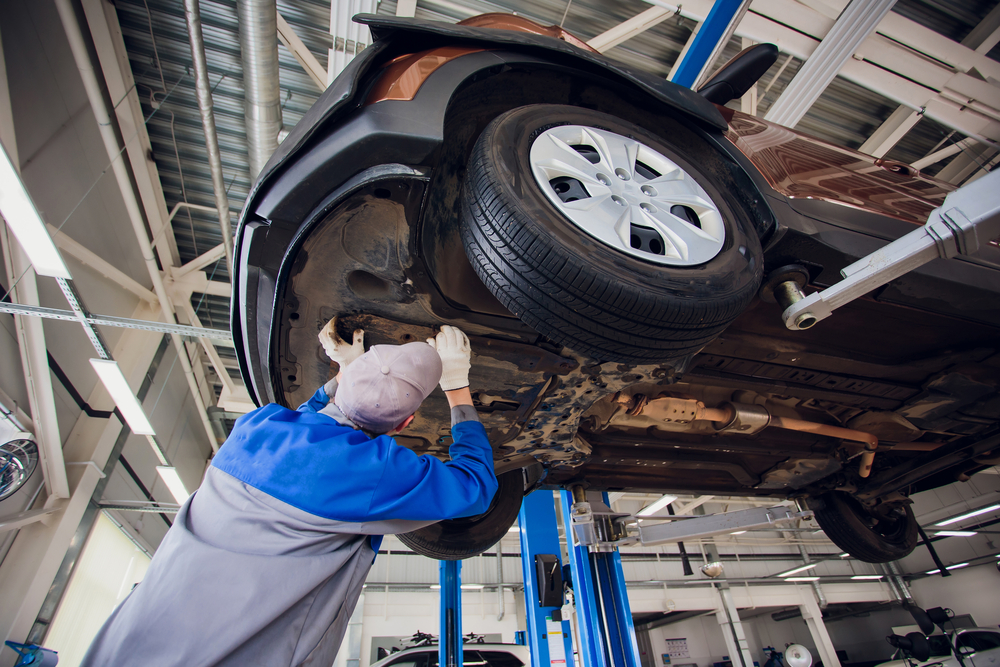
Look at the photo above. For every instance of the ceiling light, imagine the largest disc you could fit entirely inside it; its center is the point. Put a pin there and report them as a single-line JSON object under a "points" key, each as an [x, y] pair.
{"points": [[969, 515], [472, 587], [652, 509], [23, 219], [116, 384], [173, 481], [844, 555], [514, 529], [435, 587], [956, 567], [798, 569], [738, 532], [955, 533], [934, 571], [867, 576], [802, 579]]}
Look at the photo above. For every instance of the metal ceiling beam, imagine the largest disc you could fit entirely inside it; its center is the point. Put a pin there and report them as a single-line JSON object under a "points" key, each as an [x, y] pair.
{"points": [[636, 25], [302, 53], [89, 258], [986, 34], [111, 321], [261, 89], [858, 20], [891, 131], [349, 38], [406, 8]]}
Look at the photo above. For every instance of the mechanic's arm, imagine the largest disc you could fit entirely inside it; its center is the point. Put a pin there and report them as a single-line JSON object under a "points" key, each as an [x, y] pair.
{"points": [[424, 488]]}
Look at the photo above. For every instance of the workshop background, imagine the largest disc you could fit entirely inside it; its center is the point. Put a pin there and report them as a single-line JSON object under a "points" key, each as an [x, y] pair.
{"points": [[65, 567]]}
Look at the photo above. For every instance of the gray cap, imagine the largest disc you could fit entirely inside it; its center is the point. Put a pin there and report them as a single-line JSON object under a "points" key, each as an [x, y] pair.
{"points": [[387, 384]]}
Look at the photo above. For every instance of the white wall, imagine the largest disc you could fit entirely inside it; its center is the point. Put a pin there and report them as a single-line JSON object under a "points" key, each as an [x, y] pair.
{"points": [[971, 590], [706, 644]]}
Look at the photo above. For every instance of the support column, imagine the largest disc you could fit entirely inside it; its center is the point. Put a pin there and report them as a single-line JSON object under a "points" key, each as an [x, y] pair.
{"points": [[711, 37], [547, 632], [607, 636], [450, 641], [817, 628], [732, 628], [891, 131]]}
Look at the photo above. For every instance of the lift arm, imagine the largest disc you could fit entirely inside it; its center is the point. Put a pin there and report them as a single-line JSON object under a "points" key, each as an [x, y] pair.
{"points": [[968, 220]]}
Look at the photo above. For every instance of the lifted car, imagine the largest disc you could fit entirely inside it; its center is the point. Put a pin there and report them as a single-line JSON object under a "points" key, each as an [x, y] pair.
{"points": [[614, 244]]}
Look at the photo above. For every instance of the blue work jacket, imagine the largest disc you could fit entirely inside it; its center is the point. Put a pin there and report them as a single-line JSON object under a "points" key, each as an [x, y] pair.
{"points": [[266, 561]]}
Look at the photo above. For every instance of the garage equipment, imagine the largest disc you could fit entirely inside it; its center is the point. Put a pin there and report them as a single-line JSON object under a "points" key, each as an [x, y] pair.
{"points": [[597, 526], [450, 645], [968, 220], [607, 636], [549, 636], [34, 655]]}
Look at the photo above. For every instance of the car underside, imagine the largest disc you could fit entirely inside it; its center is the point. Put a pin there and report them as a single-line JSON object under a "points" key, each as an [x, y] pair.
{"points": [[359, 218]]}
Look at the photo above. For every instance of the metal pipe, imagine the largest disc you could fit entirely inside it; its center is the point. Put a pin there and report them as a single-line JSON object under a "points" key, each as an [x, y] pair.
{"points": [[869, 440], [820, 596], [500, 600], [192, 14], [259, 48], [95, 94]]}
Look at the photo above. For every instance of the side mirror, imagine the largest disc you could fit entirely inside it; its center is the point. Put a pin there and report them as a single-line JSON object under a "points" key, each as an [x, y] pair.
{"points": [[966, 650], [734, 78], [922, 619]]}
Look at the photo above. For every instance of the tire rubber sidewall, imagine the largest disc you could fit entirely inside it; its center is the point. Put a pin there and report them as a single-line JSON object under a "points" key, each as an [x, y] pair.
{"points": [[843, 519], [540, 265]]}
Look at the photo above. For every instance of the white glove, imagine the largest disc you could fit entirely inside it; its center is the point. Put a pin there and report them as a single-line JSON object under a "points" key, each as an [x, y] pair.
{"points": [[453, 347], [339, 350]]}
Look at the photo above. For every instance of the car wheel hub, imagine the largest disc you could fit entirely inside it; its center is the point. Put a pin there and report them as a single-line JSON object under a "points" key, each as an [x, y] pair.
{"points": [[627, 195]]}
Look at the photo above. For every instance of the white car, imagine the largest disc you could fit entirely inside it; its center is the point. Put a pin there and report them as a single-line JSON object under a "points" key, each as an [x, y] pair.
{"points": [[980, 647], [473, 655]]}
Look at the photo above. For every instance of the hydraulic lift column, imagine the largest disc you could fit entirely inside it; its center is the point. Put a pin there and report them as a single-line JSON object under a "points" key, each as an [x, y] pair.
{"points": [[549, 637], [607, 636], [450, 642]]}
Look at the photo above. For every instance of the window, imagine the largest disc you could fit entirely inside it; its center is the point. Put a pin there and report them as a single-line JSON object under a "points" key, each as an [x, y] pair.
{"points": [[939, 646], [501, 659], [979, 641]]}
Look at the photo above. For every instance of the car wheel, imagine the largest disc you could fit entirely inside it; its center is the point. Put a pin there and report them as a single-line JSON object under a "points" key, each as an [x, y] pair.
{"points": [[456, 539], [868, 536], [603, 237]]}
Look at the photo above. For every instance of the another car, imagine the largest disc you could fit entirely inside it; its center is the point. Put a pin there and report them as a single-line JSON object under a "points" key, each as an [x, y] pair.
{"points": [[613, 244], [980, 647], [473, 655]]}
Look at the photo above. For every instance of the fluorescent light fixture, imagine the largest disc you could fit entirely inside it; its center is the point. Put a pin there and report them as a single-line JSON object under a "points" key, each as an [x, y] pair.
{"points": [[738, 532], [650, 510], [969, 515], [955, 533], [957, 566], [802, 579], [844, 555], [116, 384], [435, 587], [173, 481], [867, 576], [514, 529], [798, 569], [472, 587], [23, 219]]}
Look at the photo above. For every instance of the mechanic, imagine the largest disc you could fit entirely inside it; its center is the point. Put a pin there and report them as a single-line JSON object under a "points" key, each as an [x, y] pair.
{"points": [[265, 562]]}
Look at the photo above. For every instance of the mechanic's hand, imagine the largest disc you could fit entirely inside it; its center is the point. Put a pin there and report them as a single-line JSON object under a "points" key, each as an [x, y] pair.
{"points": [[456, 357], [339, 350]]}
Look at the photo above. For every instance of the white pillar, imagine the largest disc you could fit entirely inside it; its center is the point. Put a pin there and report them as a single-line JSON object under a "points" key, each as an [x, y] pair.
{"points": [[817, 628], [728, 617]]}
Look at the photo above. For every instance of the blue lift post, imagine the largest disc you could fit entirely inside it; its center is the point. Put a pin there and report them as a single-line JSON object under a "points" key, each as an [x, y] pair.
{"points": [[450, 639], [540, 536], [712, 30], [607, 635]]}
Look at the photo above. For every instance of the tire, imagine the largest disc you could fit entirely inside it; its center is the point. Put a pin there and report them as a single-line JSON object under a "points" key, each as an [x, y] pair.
{"points": [[583, 288], [456, 539], [862, 534]]}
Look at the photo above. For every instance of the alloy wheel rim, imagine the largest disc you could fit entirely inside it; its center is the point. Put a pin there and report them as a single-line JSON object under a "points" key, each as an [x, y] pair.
{"points": [[627, 195]]}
